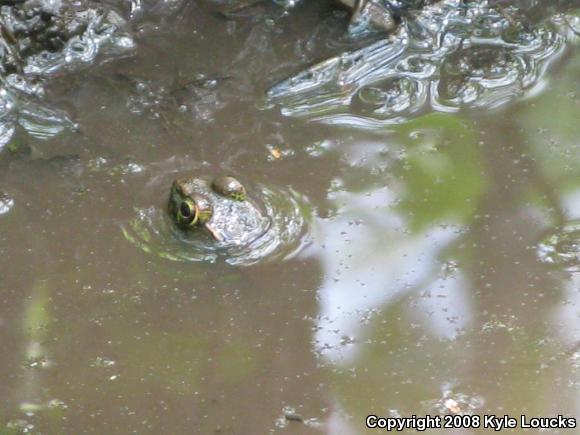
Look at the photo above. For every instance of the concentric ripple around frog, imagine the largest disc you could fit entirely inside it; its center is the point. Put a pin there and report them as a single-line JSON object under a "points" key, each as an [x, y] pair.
{"points": [[208, 218], [562, 247]]}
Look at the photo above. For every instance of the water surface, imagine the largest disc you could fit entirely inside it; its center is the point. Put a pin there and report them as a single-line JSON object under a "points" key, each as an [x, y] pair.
{"points": [[439, 259]]}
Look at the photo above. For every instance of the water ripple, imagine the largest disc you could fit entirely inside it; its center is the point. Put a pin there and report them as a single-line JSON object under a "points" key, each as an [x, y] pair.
{"points": [[104, 36], [39, 120], [285, 235], [86, 33], [450, 56]]}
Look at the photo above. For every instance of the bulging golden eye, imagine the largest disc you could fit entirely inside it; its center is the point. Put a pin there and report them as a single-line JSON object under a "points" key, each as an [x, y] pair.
{"points": [[188, 213], [186, 210]]}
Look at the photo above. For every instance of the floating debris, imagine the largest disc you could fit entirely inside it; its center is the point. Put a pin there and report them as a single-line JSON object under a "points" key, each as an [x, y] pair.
{"points": [[289, 416], [452, 406], [277, 153], [294, 417], [455, 403]]}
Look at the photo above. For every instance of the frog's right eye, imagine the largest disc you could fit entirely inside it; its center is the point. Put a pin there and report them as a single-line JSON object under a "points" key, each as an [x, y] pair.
{"points": [[186, 210], [187, 213]]}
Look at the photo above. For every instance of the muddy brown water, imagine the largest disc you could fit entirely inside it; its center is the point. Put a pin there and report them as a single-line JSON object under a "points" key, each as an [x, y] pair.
{"points": [[417, 285]]}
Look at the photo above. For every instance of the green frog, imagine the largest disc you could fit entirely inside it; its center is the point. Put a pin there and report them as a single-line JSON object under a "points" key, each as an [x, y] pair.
{"points": [[221, 207]]}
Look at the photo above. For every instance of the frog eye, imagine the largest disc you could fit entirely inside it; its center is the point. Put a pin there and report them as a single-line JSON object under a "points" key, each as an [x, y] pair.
{"points": [[186, 210], [188, 213]]}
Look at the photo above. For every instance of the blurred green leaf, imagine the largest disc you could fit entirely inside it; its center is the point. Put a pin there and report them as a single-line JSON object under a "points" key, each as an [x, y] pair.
{"points": [[442, 170]]}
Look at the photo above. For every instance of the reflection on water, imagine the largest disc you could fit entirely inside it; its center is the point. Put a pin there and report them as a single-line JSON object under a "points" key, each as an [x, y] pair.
{"points": [[6, 203], [42, 39], [451, 55], [367, 276], [430, 267], [562, 248]]}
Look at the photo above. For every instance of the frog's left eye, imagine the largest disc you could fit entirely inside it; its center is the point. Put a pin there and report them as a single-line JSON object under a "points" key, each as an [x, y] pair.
{"points": [[188, 213]]}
